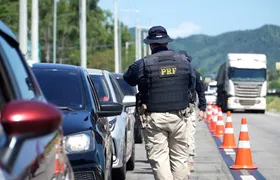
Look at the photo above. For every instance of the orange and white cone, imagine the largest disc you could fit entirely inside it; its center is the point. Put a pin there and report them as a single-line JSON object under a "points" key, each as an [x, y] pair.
{"points": [[220, 126], [228, 139], [243, 159], [209, 112], [57, 160], [214, 120]]}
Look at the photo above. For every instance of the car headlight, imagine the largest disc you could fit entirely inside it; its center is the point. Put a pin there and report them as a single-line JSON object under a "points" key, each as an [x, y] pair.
{"points": [[112, 124], [79, 142]]}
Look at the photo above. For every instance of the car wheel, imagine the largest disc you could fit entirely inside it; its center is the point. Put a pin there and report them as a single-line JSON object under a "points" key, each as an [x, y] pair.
{"points": [[131, 162], [120, 173]]}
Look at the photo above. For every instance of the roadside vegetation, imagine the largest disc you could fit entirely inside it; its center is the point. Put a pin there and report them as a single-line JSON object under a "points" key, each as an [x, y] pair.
{"points": [[273, 101]]}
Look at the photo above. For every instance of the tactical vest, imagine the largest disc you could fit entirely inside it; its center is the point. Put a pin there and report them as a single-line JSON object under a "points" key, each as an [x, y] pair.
{"points": [[166, 80], [192, 91]]}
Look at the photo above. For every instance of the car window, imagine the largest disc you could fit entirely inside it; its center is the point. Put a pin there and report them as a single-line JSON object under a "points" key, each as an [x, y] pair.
{"points": [[126, 88], [117, 91], [94, 94], [26, 86], [61, 87], [101, 87]]}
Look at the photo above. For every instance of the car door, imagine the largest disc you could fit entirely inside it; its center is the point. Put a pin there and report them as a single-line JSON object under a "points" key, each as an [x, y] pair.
{"points": [[105, 129], [129, 125], [29, 158]]}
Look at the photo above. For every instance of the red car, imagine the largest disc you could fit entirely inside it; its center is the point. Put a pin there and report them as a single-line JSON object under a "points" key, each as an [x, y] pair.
{"points": [[31, 139]]}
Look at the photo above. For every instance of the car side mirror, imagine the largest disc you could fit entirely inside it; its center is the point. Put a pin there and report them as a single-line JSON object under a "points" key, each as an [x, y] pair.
{"points": [[129, 101], [108, 109], [22, 117]]}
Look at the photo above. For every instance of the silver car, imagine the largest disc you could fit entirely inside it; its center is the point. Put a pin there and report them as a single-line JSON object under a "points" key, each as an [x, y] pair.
{"points": [[122, 126]]}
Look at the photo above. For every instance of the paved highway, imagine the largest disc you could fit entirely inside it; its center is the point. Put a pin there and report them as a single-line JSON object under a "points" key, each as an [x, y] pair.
{"points": [[210, 163], [264, 133]]}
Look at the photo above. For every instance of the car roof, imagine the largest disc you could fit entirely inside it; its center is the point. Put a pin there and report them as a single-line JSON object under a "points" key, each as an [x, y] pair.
{"points": [[7, 31], [118, 75], [56, 66], [97, 71]]}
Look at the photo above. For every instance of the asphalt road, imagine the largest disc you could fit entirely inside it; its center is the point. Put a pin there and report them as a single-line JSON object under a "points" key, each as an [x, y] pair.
{"points": [[264, 133]]}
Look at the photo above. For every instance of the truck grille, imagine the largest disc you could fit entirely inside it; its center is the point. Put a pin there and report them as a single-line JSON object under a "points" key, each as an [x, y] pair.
{"points": [[247, 102], [247, 90]]}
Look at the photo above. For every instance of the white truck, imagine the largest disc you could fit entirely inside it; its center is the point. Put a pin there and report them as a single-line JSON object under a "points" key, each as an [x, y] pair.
{"points": [[241, 82]]}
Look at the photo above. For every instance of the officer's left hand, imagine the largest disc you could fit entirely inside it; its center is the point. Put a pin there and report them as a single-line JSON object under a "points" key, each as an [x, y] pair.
{"points": [[201, 115]]}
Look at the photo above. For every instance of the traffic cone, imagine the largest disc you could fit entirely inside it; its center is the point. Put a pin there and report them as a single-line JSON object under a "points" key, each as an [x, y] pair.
{"points": [[57, 160], [212, 114], [243, 159], [220, 126], [228, 139], [209, 112], [214, 120]]}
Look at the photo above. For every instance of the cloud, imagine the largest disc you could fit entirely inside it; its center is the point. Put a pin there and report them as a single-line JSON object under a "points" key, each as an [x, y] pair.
{"points": [[184, 29]]}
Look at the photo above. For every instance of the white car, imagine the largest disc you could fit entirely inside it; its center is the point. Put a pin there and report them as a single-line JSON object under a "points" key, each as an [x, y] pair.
{"points": [[122, 126], [211, 93]]}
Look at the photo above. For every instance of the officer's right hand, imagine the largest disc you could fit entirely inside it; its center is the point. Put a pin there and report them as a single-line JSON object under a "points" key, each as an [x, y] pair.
{"points": [[201, 115]]}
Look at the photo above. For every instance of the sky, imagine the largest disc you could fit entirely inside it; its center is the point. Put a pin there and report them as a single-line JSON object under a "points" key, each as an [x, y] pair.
{"points": [[182, 18]]}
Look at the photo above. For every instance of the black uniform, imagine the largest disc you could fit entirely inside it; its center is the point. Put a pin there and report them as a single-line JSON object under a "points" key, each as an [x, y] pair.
{"points": [[163, 80], [199, 88]]}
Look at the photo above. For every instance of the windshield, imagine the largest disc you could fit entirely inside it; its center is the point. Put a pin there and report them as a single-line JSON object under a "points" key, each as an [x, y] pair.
{"points": [[126, 88], [61, 87], [247, 74], [101, 87]]}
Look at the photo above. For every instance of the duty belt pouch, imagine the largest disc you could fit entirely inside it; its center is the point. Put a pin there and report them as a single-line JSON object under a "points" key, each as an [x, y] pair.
{"points": [[144, 116]]}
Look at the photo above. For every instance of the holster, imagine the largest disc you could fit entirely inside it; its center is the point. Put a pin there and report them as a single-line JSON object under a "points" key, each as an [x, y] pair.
{"points": [[143, 115]]}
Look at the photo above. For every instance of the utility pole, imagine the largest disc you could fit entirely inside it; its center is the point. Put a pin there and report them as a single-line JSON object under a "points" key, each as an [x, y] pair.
{"points": [[54, 30], [23, 34], [144, 45], [116, 48], [136, 43], [35, 31], [83, 33], [120, 46], [126, 51], [140, 42]]}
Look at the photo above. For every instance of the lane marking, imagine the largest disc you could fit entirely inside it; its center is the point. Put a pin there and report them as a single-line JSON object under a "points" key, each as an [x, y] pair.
{"points": [[229, 151], [272, 114], [247, 177], [229, 160]]}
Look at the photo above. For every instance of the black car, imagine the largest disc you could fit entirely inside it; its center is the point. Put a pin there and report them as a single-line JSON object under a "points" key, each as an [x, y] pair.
{"points": [[130, 91], [31, 137], [88, 141]]}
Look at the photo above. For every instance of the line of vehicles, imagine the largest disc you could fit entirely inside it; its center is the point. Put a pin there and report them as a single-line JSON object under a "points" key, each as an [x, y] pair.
{"points": [[63, 121], [66, 122]]}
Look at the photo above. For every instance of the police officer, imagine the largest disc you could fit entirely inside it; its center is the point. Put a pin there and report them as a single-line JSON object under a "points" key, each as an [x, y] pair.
{"points": [[163, 80], [200, 90]]}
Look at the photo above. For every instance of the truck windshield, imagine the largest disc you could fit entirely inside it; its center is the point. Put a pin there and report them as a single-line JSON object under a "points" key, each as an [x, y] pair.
{"points": [[247, 74]]}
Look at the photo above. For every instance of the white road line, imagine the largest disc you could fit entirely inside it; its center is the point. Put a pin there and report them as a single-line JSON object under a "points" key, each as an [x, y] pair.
{"points": [[247, 177], [229, 151], [272, 114]]}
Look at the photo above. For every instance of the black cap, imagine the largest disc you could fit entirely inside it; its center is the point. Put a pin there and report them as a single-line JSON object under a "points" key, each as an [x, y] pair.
{"points": [[157, 35], [186, 54]]}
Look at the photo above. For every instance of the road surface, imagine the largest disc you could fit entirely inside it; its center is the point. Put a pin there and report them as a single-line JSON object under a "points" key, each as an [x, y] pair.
{"points": [[210, 163]]}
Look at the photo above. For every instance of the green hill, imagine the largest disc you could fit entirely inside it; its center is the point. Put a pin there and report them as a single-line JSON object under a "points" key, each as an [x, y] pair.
{"points": [[209, 52]]}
